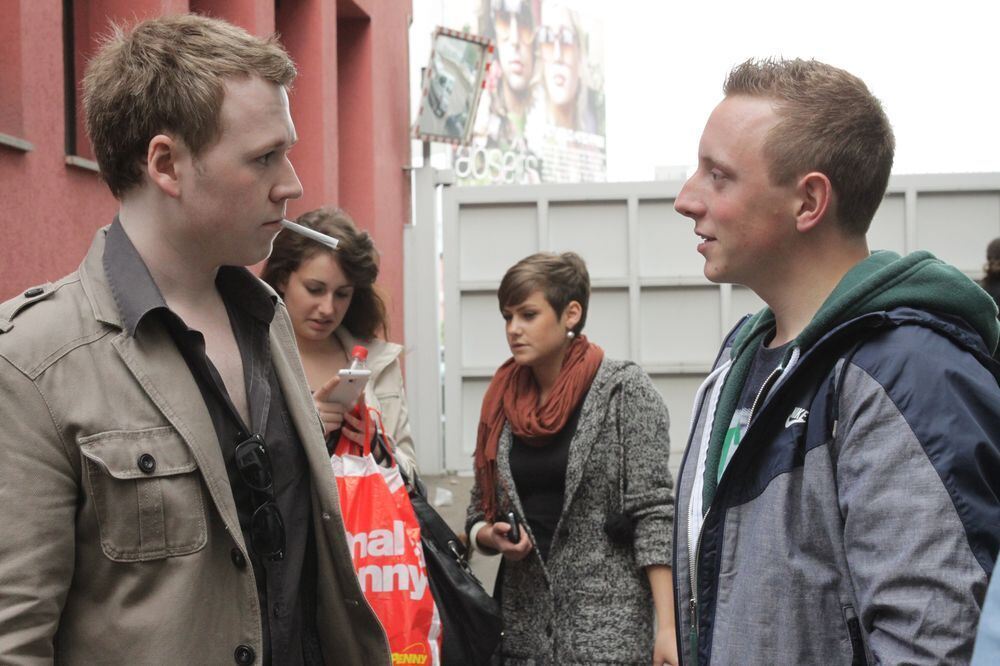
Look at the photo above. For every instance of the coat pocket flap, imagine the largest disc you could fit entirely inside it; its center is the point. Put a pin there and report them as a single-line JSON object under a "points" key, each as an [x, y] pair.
{"points": [[137, 454]]}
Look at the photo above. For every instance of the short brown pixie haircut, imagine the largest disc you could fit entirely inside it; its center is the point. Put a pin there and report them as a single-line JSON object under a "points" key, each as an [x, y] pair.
{"points": [[356, 255], [167, 75], [829, 122], [562, 278]]}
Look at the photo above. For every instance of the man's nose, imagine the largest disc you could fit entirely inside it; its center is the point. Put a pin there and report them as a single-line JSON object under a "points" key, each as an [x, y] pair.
{"points": [[289, 187], [687, 203]]}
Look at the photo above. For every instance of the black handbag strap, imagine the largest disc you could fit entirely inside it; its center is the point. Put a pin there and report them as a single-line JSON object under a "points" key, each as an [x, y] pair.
{"points": [[432, 525]]}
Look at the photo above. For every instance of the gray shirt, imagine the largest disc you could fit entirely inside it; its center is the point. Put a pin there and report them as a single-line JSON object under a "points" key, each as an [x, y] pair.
{"points": [[765, 361]]}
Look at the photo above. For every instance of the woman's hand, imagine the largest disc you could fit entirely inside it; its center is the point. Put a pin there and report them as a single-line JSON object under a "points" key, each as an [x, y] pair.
{"points": [[353, 429], [661, 583], [494, 536], [331, 413], [665, 646]]}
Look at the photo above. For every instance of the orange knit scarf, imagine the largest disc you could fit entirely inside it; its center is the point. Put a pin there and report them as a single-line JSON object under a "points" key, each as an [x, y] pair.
{"points": [[513, 397]]}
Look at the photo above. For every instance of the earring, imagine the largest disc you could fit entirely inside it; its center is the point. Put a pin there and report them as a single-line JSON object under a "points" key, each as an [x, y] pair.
{"points": [[570, 334]]}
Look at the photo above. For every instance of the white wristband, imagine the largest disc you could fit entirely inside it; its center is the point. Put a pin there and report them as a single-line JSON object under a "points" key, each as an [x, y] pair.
{"points": [[474, 542]]}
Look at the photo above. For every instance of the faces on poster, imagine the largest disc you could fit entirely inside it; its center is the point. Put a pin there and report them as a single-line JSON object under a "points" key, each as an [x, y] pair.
{"points": [[540, 53], [559, 43], [540, 106], [514, 26]]}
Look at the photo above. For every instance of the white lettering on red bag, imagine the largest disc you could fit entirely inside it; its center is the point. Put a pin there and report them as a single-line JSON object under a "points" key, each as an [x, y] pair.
{"points": [[387, 577]]}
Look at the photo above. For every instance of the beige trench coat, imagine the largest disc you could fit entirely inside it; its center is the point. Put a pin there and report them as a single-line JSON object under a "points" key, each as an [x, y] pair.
{"points": [[103, 563]]}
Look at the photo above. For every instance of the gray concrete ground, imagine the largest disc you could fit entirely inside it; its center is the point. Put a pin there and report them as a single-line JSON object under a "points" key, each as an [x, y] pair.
{"points": [[484, 567]]}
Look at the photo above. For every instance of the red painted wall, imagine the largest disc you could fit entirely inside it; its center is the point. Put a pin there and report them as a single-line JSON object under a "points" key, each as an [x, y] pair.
{"points": [[350, 105]]}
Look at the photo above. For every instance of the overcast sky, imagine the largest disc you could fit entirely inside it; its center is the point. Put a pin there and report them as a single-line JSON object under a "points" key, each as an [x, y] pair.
{"points": [[935, 66]]}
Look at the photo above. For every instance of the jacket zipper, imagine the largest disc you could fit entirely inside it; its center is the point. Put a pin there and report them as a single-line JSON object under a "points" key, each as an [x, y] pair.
{"points": [[693, 573], [761, 392], [693, 568]]}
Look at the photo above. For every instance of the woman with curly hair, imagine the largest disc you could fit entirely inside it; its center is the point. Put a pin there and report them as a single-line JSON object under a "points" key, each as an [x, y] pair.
{"points": [[334, 305]]}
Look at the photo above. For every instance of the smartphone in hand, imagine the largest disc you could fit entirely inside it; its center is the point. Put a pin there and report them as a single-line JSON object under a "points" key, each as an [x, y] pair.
{"points": [[352, 384], [514, 533]]}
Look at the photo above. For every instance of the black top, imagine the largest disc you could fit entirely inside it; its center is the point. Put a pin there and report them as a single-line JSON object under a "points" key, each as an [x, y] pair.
{"points": [[286, 588], [540, 476]]}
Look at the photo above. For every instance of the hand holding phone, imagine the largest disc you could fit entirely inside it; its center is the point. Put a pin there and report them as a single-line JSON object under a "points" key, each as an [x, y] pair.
{"points": [[514, 533], [351, 386]]}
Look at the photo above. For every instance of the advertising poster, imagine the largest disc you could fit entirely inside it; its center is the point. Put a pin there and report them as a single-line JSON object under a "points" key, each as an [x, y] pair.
{"points": [[541, 116]]}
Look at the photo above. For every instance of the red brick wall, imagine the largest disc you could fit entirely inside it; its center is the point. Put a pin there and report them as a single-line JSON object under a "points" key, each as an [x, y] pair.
{"points": [[350, 105]]}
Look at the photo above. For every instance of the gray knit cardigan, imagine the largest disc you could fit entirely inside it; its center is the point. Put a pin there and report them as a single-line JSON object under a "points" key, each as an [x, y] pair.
{"points": [[590, 602]]}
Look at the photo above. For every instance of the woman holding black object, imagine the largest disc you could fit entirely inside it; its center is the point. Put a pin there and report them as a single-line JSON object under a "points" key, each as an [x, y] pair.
{"points": [[334, 306], [574, 447]]}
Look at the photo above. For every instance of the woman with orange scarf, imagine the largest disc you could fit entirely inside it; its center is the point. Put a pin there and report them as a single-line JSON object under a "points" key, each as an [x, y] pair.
{"points": [[575, 446]]}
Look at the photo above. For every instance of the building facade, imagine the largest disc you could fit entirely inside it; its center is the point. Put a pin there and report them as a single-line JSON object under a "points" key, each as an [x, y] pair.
{"points": [[350, 105]]}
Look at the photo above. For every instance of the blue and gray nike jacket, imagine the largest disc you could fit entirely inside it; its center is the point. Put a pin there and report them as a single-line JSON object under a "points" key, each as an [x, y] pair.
{"points": [[858, 521]]}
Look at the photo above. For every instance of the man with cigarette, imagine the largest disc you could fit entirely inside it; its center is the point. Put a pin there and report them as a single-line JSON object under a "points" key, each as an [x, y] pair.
{"points": [[165, 487], [838, 503]]}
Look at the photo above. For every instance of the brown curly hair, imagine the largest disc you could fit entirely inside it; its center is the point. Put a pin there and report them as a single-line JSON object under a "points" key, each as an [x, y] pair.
{"points": [[356, 255]]}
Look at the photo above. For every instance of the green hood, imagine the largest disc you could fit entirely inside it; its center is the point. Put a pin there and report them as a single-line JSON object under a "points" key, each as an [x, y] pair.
{"points": [[885, 281], [881, 282]]}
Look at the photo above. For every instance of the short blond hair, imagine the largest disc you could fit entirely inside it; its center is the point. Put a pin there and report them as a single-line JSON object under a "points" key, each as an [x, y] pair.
{"points": [[829, 122], [167, 75]]}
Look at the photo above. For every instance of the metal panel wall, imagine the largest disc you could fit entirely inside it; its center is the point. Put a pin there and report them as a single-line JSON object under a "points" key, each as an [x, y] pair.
{"points": [[650, 302]]}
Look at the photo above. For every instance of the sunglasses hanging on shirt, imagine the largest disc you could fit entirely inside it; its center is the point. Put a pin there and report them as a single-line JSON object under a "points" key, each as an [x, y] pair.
{"points": [[267, 527]]}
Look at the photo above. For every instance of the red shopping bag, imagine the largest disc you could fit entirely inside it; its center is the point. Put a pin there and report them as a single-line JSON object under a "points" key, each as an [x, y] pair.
{"points": [[384, 537]]}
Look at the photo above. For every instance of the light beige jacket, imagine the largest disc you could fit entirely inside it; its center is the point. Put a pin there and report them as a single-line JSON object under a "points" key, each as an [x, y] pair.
{"points": [[385, 393], [103, 563]]}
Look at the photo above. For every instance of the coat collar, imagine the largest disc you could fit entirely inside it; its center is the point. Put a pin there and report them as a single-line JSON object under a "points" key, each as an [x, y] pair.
{"points": [[157, 365], [589, 429], [153, 359]]}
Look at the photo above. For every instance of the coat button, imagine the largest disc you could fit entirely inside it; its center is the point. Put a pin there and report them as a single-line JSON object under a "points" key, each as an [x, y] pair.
{"points": [[34, 291], [548, 629], [239, 559], [244, 654], [146, 463]]}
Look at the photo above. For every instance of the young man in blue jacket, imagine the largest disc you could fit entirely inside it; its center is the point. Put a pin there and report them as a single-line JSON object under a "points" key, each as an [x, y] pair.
{"points": [[838, 500]]}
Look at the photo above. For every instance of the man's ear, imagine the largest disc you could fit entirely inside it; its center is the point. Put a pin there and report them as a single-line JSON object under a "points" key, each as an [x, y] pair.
{"points": [[815, 200], [572, 314], [161, 164]]}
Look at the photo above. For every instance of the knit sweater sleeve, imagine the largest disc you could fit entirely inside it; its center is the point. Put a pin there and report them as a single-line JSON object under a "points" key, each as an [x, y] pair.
{"points": [[648, 495]]}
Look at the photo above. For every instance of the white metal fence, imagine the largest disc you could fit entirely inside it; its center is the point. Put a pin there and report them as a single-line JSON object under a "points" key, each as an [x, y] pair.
{"points": [[650, 301]]}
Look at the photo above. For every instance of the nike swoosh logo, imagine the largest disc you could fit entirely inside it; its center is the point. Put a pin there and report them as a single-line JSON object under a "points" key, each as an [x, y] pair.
{"points": [[798, 415]]}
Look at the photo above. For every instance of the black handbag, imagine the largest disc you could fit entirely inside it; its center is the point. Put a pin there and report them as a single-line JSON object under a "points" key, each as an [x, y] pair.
{"points": [[470, 617]]}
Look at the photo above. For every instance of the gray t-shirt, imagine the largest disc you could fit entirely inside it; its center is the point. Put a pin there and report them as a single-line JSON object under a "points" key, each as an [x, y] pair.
{"points": [[765, 361]]}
